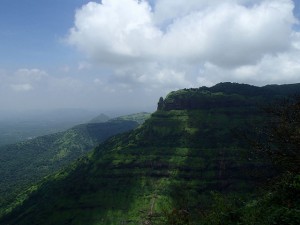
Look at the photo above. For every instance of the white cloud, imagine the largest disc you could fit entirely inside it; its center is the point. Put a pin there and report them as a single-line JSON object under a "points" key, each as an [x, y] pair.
{"points": [[37, 89], [30, 74], [65, 69], [230, 34], [84, 66], [21, 87], [98, 81], [22, 79], [164, 78], [168, 10], [183, 43], [114, 30], [272, 69]]}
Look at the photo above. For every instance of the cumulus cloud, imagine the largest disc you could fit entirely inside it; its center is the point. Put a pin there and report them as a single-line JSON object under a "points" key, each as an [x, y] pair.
{"points": [[184, 43], [230, 34], [114, 31], [167, 10]]}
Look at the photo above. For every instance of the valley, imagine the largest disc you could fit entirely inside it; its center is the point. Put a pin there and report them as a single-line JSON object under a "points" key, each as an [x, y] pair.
{"points": [[27, 162]]}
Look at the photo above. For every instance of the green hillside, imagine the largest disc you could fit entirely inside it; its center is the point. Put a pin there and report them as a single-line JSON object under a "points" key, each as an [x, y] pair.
{"points": [[27, 162], [164, 170]]}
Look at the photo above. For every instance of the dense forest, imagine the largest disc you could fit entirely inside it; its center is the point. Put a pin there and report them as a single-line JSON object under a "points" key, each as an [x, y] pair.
{"points": [[222, 155]]}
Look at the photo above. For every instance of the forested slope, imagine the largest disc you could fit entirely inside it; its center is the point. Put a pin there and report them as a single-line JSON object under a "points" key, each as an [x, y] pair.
{"points": [[27, 162], [162, 171]]}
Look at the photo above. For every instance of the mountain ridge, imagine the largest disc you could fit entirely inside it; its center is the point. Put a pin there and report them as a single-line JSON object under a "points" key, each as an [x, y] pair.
{"points": [[185, 150]]}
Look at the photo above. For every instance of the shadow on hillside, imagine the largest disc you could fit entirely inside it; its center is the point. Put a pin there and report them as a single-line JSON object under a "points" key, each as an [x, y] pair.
{"points": [[215, 159]]}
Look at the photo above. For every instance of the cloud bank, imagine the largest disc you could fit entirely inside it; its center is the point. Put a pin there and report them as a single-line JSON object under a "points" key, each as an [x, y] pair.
{"points": [[174, 44]]}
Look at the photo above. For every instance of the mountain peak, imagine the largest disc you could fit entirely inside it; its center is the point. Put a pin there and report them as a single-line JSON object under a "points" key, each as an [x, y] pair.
{"points": [[100, 119]]}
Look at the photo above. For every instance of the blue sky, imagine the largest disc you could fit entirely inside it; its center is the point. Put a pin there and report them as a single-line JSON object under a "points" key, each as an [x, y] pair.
{"points": [[125, 54], [32, 32]]}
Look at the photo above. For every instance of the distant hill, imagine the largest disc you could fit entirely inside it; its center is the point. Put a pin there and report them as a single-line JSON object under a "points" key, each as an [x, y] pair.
{"points": [[100, 119], [165, 169], [140, 118], [137, 117], [26, 162], [20, 126]]}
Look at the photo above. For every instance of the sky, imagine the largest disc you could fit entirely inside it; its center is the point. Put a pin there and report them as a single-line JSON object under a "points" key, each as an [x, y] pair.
{"points": [[125, 54]]}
